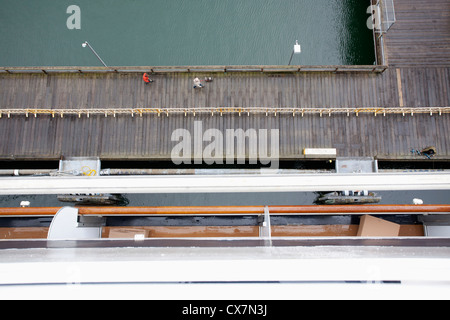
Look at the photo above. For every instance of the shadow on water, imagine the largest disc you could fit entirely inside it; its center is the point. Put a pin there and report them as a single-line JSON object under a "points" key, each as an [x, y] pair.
{"points": [[227, 199]]}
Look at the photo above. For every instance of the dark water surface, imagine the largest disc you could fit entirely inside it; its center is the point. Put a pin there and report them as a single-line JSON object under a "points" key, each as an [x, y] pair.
{"points": [[230, 199], [185, 32]]}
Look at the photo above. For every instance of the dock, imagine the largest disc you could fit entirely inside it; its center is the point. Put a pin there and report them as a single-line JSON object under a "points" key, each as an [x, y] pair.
{"points": [[383, 112]]}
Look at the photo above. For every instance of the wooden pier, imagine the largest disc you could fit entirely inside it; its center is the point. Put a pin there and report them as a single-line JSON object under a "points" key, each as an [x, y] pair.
{"points": [[417, 77]]}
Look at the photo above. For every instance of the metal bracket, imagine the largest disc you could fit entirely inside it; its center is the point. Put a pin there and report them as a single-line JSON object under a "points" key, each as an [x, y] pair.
{"points": [[265, 228], [64, 226], [91, 221], [436, 225]]}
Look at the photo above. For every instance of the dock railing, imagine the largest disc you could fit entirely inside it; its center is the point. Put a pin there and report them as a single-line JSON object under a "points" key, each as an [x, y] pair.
{"points": [[197, 69], [219, 111], [386, 19]]}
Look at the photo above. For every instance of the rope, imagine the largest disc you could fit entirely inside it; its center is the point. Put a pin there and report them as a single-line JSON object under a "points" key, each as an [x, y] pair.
{"points": [[87, 171], [223, 110]]}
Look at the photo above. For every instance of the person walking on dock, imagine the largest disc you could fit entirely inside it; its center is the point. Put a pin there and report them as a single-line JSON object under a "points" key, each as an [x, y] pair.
{"points": [[146, 78], [197, 83]]}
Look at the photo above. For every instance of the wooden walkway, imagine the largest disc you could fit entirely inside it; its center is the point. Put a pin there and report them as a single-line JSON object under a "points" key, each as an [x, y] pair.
{"points": [[420, 87], [421, 34], [419, 76], [126, 137]]}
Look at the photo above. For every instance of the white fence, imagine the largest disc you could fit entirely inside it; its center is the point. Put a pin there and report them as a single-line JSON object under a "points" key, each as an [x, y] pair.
{"points": [[387, 12]]}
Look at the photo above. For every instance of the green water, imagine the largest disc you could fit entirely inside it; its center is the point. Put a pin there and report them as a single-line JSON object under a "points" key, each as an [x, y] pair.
{"points": [[185, 32]]}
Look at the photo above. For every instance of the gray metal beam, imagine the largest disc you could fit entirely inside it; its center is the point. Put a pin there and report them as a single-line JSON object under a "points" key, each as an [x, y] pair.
{"points": [[224, 183]]}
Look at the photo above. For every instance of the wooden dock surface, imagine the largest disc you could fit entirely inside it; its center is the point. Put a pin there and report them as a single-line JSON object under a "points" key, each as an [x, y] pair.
{"points": [[418, 52], [421, 35]]}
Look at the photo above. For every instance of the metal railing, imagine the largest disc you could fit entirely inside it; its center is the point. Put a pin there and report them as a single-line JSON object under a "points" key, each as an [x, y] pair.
{"points": [[199, 69], [386, 19], [221, 111], [387, 14]]}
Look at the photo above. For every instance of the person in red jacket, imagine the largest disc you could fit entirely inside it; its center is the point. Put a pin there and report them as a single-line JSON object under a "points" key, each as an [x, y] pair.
{"points": [[146, 79]]}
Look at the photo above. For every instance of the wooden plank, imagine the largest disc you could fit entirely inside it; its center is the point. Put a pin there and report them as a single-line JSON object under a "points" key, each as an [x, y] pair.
{"points": [[400, 89]]}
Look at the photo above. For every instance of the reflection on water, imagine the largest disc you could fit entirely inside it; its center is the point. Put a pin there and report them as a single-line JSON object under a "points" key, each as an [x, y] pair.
{"points": [[230, 199], [180, 32]]}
